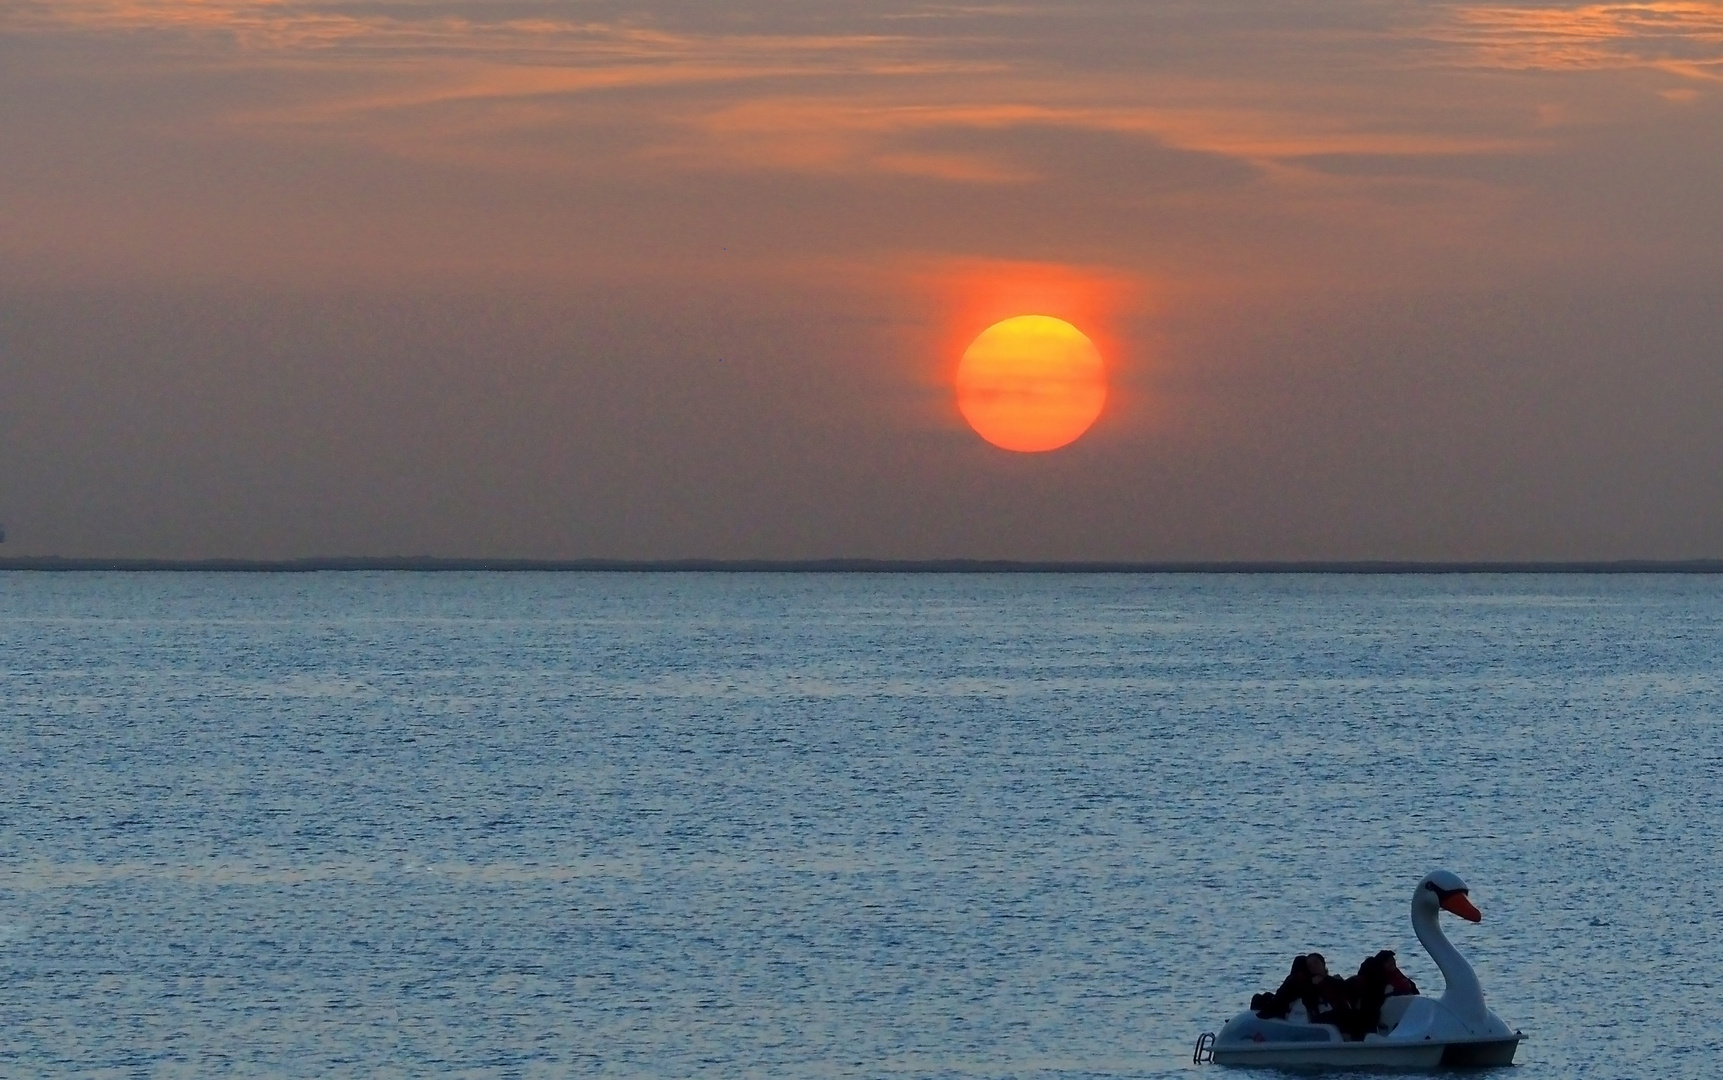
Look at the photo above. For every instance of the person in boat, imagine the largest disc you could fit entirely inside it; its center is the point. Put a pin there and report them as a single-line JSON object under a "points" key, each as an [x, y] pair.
{"points": [[1328, 1000], [1323, 996], [1398, 984], [1379, 978], [1368, 990], [1275, 1006]]}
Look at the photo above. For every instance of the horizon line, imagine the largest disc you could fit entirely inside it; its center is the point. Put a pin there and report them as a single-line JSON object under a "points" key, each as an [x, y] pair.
{"points": [[427, 563]]}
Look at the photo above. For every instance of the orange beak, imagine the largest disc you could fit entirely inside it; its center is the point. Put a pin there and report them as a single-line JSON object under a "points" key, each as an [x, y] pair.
{"points": [[1460, 904]]}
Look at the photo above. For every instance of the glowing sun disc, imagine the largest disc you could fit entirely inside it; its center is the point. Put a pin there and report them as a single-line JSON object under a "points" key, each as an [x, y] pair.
{"points": [[1031, 383]]}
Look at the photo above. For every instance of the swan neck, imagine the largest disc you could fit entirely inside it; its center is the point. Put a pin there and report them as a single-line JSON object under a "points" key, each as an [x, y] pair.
{"points": [[1462, 992]]}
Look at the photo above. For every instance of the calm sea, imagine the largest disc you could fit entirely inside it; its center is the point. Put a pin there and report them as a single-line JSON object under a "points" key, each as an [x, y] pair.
{"points": [[428, 825]]}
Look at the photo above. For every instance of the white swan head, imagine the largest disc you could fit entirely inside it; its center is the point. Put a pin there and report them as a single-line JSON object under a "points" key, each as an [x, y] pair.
{"points": [[1462, 999], [1443, 890]]}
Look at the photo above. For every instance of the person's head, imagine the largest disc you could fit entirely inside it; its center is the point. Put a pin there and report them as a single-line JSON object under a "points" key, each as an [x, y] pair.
{"points": [[1386, 959], [1317, 965], [1371, 969], [1300, 969]]}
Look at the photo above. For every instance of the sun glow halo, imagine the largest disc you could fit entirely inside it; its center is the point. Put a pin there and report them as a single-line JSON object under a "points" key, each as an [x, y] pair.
{"points": [[1031, 383]]}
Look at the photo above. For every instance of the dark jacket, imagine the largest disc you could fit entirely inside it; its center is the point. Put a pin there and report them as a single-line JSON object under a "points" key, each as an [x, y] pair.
{"points": [[1328, 996], [1368, 989], [1374, 984], [1399, 985], [1292, 989]]}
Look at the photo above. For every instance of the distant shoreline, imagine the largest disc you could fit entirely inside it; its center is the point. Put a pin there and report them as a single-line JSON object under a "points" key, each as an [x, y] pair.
{"points": [[850, 566]]}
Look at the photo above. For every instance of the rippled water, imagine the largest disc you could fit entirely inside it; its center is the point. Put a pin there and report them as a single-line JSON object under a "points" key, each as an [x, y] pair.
{"points": [[798, 826]]}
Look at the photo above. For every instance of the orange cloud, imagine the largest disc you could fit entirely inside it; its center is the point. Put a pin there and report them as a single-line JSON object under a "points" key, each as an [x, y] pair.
{"points": [[864, 91], [1682, 38], [835, 134], [957, 95], [423, 32]]}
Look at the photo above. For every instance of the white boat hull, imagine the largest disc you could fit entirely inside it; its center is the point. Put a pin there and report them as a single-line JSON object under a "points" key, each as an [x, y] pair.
{"points": [[1365, 1055], [1249, 1041]]}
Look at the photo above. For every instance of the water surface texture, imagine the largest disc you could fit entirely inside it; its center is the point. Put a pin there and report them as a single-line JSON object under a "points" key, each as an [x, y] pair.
{"points": [[544, 825]]}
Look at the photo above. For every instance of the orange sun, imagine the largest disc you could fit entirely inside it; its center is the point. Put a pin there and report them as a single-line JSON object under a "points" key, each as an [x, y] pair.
{"points": [[1031, 383]]}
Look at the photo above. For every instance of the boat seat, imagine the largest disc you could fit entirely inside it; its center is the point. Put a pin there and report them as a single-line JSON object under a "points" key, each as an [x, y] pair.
{"points": [[1393, 1011], [1250, 1028]]}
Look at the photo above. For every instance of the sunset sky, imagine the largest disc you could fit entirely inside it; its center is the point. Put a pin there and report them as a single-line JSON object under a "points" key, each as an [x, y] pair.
{"points": [[1370, 279]]}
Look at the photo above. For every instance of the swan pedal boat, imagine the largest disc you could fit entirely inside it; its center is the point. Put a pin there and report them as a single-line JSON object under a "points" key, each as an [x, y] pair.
{"points": [[1416, 1032]]}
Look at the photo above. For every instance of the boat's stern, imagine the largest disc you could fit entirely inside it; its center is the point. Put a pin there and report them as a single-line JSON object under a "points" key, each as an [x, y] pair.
{"points": [[1247, 1037]]}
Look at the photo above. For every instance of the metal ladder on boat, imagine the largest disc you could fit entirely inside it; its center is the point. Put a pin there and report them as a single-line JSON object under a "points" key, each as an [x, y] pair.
{"points": [[1204, 1053]]}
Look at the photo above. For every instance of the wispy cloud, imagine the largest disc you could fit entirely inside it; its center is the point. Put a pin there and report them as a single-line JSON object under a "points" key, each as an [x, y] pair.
{"points": [[1107, 105], [813, 134], [257, 24], [1682, 38], [417, 30], [857, 95]]}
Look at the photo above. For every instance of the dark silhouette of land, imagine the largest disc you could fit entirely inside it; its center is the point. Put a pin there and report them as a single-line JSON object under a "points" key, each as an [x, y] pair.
{"points": [[856, 566]]}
